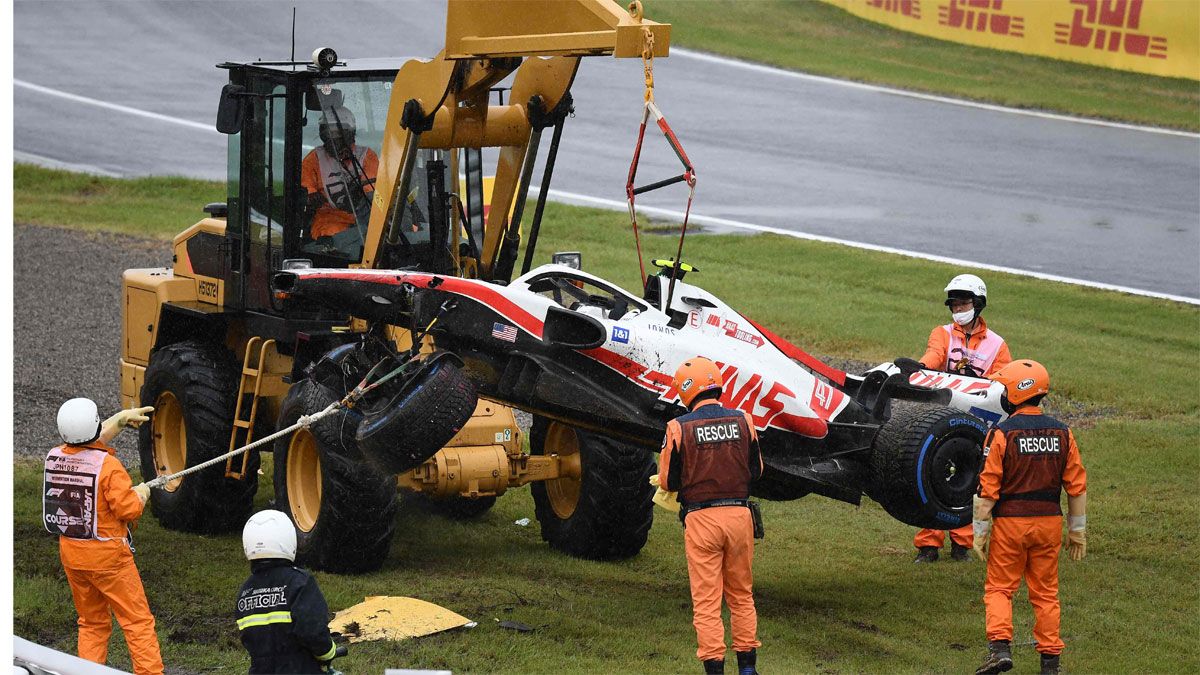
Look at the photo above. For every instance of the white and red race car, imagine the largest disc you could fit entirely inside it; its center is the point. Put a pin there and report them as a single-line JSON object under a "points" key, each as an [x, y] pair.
{"points": [[574, 348]]}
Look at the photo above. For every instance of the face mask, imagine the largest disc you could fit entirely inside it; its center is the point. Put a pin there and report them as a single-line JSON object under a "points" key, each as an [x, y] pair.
{"points": [[964, 318]]}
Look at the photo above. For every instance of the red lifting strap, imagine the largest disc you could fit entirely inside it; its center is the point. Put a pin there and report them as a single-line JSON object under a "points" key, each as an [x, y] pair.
{"points": [[688, 176]]}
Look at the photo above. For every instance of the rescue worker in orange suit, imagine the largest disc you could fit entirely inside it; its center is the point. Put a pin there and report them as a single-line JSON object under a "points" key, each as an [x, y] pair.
{"points": [[709, 458], [339, 176], [1031, 458], [968, 347], [90, 502]]}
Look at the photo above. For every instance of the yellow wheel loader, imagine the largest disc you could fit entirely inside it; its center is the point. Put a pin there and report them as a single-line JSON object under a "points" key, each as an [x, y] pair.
{"points": [[374, 164]]}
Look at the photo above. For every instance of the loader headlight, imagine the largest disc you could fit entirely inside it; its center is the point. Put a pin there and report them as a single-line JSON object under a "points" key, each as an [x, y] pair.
{"points": [[572, 259]]}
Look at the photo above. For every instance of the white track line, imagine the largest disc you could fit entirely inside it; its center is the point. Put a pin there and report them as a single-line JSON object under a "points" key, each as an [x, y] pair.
{"points": [[772, 70], [51, 163], [587, 200], [113, 106]]}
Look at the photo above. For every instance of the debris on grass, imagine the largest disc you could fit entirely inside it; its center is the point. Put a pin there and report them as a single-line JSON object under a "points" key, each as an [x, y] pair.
{"points": [[382, 617]]}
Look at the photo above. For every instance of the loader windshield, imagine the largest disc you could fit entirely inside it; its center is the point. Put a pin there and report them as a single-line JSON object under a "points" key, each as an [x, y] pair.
{"points": [[343, 133]]}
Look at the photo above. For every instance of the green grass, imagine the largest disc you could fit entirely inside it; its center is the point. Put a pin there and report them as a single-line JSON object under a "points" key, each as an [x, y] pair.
{"points": [[835, 588], [817, 38], [147, 207]]}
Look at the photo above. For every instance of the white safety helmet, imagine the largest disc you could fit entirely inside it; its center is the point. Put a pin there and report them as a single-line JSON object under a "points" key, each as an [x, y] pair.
{"points": [[79, 421], [967, 287], [269, 534]]}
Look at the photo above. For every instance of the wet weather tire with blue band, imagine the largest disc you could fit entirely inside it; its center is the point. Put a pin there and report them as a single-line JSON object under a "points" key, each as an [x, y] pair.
{"points": [[925, 465]]}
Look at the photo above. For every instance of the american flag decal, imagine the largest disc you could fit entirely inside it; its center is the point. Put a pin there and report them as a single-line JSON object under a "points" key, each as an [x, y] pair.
{"points": [[504, 332]]}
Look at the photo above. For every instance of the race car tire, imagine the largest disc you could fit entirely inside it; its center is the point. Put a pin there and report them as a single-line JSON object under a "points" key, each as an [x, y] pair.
{"points": [[925, 465], [192, 386], [403, 432], [607, 512], [343, 509], [459, 507]]}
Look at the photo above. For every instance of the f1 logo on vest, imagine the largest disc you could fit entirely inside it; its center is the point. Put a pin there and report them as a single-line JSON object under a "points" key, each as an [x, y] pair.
{"points": [[1038, 445], [716, 433]]}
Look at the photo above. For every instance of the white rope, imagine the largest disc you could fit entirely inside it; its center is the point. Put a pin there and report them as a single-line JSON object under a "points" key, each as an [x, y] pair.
{"points": [[304, 421]]}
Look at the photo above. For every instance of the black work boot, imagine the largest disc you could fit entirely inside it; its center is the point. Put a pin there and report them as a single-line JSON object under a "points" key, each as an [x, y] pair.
{"points": [[999, 658], [960, 553], [1050, 664], [926, 554], [714, 667], [747, 662]]}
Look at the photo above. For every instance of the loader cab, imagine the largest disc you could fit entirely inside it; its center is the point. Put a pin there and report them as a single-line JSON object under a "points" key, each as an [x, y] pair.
{"points": [[303, 156], [272, 114]]}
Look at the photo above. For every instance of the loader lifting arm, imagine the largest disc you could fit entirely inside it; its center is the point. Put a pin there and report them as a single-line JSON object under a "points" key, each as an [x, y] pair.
{"points": [[443, 104]]}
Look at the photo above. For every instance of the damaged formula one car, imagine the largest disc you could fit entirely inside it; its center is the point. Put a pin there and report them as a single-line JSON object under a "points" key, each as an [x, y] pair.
{"points": [[576, 350]]}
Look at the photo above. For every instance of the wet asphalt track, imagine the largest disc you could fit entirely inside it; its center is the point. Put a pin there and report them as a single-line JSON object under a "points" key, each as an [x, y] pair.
{"points": [[1108, 205]]}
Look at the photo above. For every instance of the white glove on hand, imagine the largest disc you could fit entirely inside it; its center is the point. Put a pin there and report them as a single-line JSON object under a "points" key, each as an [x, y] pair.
{"points": [[143, 492], [667, 500], [132, 416], [1077, 537], [983, 537], [981, 525]]}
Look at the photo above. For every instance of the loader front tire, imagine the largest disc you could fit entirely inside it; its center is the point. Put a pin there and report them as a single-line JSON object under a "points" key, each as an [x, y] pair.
{"points": [[344, 510], [192, 386], [605, 513]]}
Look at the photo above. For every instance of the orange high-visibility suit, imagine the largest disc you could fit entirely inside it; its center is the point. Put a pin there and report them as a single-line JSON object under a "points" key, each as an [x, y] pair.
{"points": [[320, 173], [102, 573], [1031, 457], [710, 456], [950, 347]]}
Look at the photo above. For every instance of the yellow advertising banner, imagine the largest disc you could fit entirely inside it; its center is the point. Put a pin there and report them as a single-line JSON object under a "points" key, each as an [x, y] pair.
{"points": [[1158, 37]]}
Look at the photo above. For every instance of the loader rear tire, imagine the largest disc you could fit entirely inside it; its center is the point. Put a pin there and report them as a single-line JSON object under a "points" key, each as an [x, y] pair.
{"points": [[401, 433], [192, 386], [607, 512], [344, 510], [925, 464]]}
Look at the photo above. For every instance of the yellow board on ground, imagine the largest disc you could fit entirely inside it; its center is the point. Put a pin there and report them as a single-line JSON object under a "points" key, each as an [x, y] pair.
{"points": [[1156, 37], [382, 617]]}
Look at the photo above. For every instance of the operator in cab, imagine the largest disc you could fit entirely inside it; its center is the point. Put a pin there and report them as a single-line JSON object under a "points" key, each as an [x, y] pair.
{"points": [[710, 457], [339, 176]]}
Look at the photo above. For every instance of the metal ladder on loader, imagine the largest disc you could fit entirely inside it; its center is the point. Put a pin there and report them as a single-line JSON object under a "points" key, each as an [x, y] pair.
{"points": [[250, 382]]}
